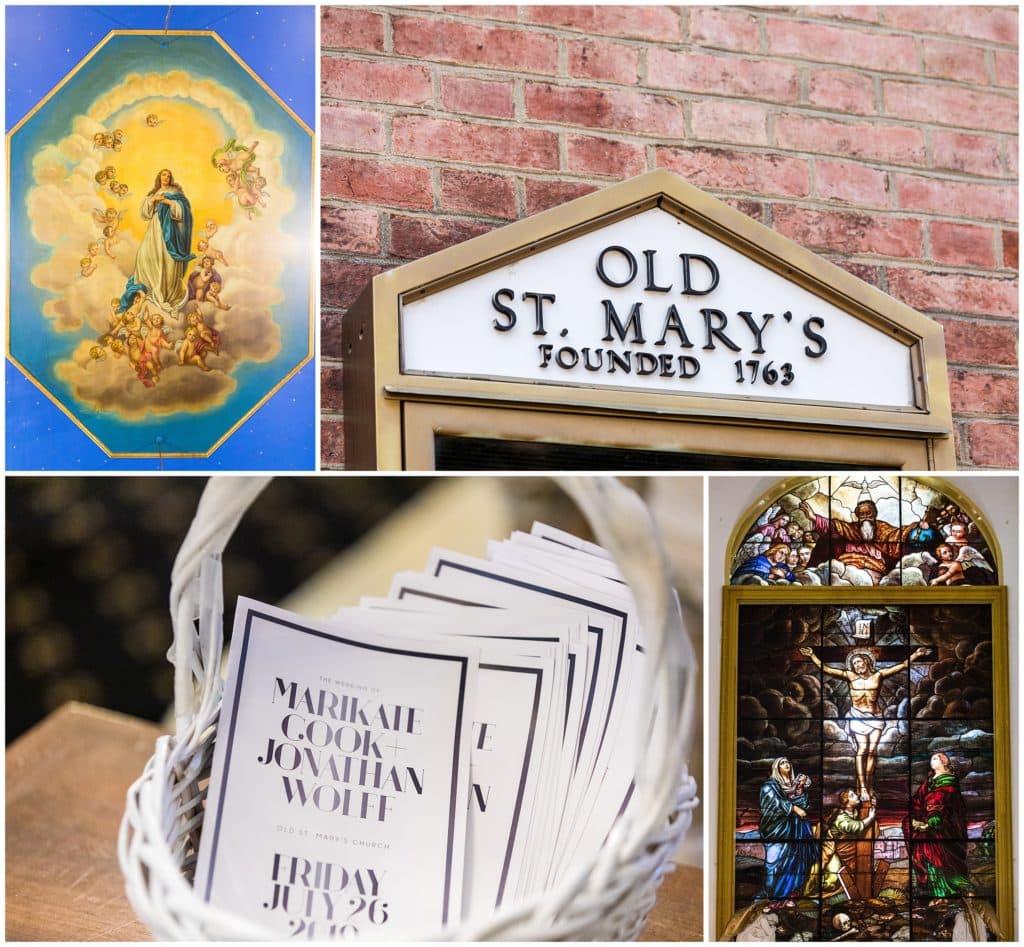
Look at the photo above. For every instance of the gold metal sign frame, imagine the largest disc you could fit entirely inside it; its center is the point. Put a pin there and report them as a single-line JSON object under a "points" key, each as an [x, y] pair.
{"points": [[378, 432]]}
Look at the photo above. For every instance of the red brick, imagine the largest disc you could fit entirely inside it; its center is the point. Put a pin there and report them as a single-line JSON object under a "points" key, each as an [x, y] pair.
{"points": [[864, 14], [349, 229], [955, 61], [950, 105], [753, 209], [824, 43], [983, 393], [379, 182], [954, 292], [354, 129], [341, 281], [477, 97], [658, 23], [963, 244], [851, 183], [619, 159], [441, 40], [851, 233], [330, 334], [889, 143], [987, 201], [330, 387], [842, 90], [741, 122], [332, 442], [1012, 157], [414, 237], [492, 195], [724, 28], [1011, 256], [723, 75], [1007, 69], [961, 151], [997, 24], [351, 28], [473, 142], [542, 194], [394, 83], [622, 110], [600, 59], [865, 272], [980, 343], [737, 170], [485, 12], [993, 445]]}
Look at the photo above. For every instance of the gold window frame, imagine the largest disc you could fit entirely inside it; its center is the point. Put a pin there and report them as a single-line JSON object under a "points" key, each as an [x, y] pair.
{"points": [[376, 391], [735, 597]]}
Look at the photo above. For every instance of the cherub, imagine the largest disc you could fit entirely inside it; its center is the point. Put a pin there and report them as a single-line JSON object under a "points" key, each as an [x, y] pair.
{"points": [[137, 311], [99, 140], [208, 336], [109, 238], [87, 265], [950, 572], [93, 249], [203, 246], [97, 354], [152, 120], [109, 173], [189, 354], [120, 190], [116, 318], [142, 361], [156, 340], [118, 138], [111, 217], [213, 296], [210, 229], [201, 279], [235, 157], [117, 348]]}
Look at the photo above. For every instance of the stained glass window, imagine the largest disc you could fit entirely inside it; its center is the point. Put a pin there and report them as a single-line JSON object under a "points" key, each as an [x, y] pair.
{"points": [[864, 530], [865, 694]]}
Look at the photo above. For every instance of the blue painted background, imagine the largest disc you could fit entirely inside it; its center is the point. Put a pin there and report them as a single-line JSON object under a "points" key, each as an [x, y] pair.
{"points": [[42, 45]]}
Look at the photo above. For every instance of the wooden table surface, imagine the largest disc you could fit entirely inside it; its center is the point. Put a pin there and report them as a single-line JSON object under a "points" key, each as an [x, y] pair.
{"points": [[67, 779]]}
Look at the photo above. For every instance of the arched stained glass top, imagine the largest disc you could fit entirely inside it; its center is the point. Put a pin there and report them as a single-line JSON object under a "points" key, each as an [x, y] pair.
{"points": [[863, 530]]}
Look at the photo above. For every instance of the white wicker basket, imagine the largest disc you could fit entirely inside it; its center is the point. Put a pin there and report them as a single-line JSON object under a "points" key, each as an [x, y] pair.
{"points": [[607, 898]]}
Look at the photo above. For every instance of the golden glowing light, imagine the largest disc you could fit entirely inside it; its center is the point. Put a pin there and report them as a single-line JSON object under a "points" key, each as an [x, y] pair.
{"points": [[183, 142]]}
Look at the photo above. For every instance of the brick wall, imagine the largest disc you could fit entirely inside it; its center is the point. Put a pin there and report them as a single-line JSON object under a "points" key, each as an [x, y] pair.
{"points": [[883, 138]]}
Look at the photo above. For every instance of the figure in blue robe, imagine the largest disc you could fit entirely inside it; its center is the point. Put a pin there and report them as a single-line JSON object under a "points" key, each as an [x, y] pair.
{"points": [[786, 833]]}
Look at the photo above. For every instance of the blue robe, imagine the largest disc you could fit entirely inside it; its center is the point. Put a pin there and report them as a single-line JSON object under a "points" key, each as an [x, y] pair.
{"points": [[178, 240], [787, 837]]}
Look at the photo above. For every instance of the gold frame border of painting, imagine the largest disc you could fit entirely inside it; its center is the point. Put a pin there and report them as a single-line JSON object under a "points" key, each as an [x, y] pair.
{"points": [[736, 596], [380, 390], [781, 487], [314, 245]]}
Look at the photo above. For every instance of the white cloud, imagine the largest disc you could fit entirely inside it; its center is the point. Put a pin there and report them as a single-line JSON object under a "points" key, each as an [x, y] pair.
{"points": [[60, 206]]}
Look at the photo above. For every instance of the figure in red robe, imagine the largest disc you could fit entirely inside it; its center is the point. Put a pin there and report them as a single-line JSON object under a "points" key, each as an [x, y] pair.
{"points": [[936, 829]]}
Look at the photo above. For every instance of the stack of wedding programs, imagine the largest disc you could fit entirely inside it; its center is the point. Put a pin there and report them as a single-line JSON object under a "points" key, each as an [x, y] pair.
{"points": [[453, 750]]}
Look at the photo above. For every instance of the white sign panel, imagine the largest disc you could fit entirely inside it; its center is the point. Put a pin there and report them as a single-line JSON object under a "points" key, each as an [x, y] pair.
{"points": [[653, 304]]}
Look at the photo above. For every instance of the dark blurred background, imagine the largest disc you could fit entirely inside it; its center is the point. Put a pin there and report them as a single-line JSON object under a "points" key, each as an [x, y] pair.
{"points": [[88, 575]]}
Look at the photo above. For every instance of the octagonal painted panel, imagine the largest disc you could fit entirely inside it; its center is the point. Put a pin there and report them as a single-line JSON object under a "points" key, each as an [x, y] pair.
{"points": [[161, 244]]}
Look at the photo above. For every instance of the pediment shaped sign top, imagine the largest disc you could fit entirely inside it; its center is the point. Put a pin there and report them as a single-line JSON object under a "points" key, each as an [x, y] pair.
{"points": [[655, 293]]}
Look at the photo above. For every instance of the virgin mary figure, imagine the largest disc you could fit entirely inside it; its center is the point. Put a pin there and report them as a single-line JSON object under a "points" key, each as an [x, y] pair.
{"points": [[165, 249], [786, 833]]}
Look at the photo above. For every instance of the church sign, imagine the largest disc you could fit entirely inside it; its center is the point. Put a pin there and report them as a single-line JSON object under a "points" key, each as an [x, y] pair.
{"points": [[681, 321]]}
